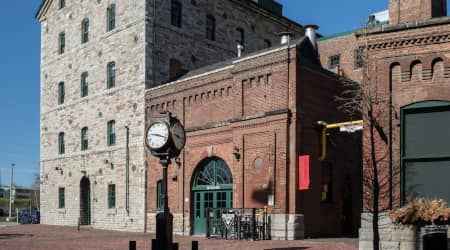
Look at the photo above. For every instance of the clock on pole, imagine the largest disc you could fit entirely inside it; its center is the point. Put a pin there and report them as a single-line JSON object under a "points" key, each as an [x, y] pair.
{"points": [[165, 137]]}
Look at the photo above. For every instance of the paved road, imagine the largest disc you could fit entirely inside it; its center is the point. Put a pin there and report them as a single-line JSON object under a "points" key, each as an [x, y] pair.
{"points": [[40, 237]]}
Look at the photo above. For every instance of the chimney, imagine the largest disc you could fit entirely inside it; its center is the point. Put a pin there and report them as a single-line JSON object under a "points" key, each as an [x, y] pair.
{"points": [[286, 37], [310, 32], [240, 49]]}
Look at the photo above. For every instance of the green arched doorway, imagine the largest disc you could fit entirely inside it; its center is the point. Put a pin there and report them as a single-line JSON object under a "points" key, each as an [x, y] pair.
{"points": [[212, 187]]}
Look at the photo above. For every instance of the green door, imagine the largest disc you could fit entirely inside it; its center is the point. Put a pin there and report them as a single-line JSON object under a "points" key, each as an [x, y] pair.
{"points": [[212, 188]]}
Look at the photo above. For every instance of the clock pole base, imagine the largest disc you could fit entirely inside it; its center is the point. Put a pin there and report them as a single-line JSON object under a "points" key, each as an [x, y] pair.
{"points": [[164, 224]]}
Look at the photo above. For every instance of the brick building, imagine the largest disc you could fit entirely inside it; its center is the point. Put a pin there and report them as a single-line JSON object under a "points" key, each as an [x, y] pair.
{"points": [[407, 61], [97, 59], [248, 120]]}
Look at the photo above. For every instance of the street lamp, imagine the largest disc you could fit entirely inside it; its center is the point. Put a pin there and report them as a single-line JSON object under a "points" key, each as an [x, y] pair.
{"points": [[165, 137], [11, 191]]}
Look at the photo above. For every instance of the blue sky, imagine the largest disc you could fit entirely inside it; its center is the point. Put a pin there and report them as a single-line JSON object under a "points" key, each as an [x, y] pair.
{"points": [[19, 68]]}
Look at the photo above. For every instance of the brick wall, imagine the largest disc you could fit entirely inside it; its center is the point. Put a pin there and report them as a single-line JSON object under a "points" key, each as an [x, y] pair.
{"points": [[269, 113]]}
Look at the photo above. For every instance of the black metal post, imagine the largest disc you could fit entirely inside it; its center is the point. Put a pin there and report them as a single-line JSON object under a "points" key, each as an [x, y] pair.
{"points": [[164, 219], [194, 245], [132, 245], [254, 224]]}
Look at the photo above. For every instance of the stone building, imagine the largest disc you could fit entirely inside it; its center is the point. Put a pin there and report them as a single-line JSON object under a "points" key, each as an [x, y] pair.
{"points": [[408, 63], [97, 59], [248, 120]]}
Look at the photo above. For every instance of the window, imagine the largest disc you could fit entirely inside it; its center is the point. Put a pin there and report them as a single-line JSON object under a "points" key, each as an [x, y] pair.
{"points": [[61, 198], [210, 28], [159, 194], [62, 4], [111, 133], [267, 43], [326, 186], [85, 31], [84, 84], [241, 38], [61, 93], [62, 42], [111, 75], [425, 150], [175, 13], [111, 195], [358, 59], [334, 61], [111, 17], [61, 146], [84, 139]]}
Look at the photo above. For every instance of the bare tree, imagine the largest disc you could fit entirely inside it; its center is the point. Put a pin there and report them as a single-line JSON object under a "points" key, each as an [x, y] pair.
{"points": [[368, 101]]}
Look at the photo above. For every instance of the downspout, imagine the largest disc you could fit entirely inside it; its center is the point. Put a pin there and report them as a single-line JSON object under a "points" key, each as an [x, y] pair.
{"points": [[127, 167], [288, 150], [154, 44]]}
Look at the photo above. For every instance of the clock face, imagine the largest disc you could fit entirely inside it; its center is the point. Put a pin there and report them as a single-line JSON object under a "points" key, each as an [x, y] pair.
{"points": [[157, 135], [178, 135]]}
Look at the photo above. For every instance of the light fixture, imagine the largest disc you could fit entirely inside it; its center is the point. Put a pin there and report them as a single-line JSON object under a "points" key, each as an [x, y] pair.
{"points": [[236, 153]]}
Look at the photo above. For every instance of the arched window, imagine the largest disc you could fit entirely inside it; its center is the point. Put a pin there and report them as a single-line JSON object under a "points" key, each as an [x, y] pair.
{"points": [[61, 146], [61, 93], [111, 133], [85, 31], [111, 17], [438, 68], [416, 71], [111, 75], [61, 43], [84, 84], [84, 139], [210, 28], [396, 73], [425, 150]]}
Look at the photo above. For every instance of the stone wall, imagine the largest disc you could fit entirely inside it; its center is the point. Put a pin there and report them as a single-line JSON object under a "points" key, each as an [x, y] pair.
{"points": [[188, 44], [102, 164]]}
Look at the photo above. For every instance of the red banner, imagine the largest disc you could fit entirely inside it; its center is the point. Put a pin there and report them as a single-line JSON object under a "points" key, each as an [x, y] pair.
{"points": [[303, 172]]}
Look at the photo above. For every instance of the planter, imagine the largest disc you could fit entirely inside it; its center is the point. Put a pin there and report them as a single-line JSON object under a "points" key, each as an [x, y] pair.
{"points": [[434, 237]]}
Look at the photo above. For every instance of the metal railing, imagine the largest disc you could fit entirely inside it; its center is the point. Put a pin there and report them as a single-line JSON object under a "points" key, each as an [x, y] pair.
{"points": [[238, 223]]}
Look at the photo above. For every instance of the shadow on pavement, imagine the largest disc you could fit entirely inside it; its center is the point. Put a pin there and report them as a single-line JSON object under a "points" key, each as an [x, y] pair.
{"points": [[11, 236]]}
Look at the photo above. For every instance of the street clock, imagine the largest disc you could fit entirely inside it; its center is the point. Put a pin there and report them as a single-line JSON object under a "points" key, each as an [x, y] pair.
{"points": [[165, 136]]}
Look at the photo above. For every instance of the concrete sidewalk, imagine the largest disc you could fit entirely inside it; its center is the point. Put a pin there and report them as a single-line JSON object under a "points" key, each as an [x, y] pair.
{"points": [[31, 237]]}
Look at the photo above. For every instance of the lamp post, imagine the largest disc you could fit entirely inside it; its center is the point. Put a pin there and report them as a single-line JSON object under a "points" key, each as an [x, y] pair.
{"points": [[165, 138], [11, 191]]}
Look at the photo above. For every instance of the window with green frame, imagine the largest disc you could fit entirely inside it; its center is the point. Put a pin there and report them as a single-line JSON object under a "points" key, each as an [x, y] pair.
{"points": [[111, 133], [111, 195], [61, 146], [62, 4], [61, 43], [358, 59], [210, 27], [175, 13], [425, 150], [111, 75], [84, 84], [85, 31], [111, 17], [61, 93], [334, 61], [84, 139], [61, 198], [159, 194]]}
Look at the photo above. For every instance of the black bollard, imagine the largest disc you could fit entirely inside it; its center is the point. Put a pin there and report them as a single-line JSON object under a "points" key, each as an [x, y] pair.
{"points": [[194, 245], [175, 246], [132, 245], [154, 244]]}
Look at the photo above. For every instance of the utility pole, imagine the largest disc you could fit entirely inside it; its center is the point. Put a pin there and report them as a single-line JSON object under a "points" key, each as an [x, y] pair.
{"points": [[11, 191]]}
